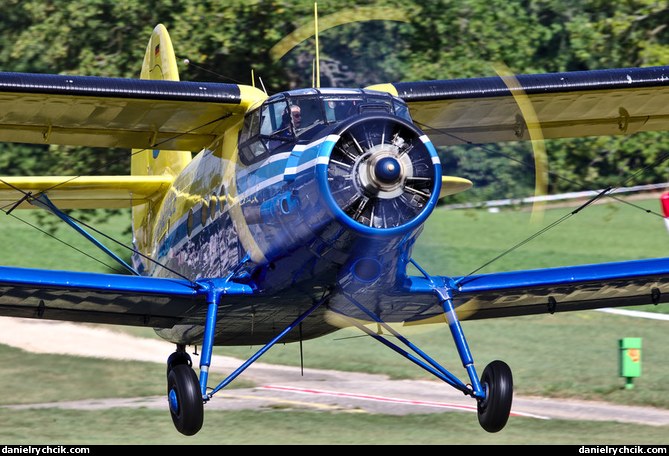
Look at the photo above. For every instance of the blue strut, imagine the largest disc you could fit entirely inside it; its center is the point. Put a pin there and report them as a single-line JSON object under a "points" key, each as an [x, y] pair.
{"points": [[427, 363], [208, 343], [44, 202], [444, 295], [459, 338], [213, 297]]}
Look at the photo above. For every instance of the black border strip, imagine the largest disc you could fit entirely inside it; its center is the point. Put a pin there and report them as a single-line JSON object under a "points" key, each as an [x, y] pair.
{"points": [[548, 83], [54, 84]]}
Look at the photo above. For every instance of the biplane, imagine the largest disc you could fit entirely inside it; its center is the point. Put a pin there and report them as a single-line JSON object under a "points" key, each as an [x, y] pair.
{"points": [[258, 219]]}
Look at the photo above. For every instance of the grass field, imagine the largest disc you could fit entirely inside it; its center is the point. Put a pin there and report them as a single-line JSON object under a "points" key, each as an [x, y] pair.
{"points": [[568, 355], [33, 378], [303, 427]]}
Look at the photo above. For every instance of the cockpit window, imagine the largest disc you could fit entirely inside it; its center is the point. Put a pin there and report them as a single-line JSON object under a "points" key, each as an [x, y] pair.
{"points": [[306, 112], [285, 118], [402, 110], [341, 108], [251, 148], [274, 117]]}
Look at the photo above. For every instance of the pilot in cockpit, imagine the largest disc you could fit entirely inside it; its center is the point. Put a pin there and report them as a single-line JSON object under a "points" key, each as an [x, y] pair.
{"points": [[296, 116], [290, 115]]}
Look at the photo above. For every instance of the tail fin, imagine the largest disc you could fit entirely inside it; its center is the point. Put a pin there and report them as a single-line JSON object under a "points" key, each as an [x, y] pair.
{"points": [[159, 64]]}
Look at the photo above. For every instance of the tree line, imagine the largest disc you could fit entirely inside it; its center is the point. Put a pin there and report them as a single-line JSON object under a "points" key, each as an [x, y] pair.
{"points": [[376, 41]]}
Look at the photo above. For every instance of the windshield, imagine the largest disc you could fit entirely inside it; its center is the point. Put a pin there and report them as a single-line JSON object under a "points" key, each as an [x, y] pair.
{"points": [[286, 117]]}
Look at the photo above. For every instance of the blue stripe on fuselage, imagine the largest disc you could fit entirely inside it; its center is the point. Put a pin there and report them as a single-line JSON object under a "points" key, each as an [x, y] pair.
{"points": [[257, 182]]}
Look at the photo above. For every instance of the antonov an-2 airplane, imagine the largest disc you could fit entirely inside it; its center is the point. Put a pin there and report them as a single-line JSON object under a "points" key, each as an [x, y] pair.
{"points": [[301, 209]]}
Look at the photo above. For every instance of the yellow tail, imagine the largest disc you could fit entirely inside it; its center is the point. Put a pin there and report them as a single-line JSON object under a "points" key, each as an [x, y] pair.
{"points": [[159, 64]]}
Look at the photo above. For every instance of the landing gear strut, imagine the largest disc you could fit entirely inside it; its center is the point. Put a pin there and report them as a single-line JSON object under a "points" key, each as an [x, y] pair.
{"points": [[493, 392], [186, 393], [183, 394]]}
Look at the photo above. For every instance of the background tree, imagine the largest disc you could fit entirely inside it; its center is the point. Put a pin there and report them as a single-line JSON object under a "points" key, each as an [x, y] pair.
{"points": [[436, 39]]}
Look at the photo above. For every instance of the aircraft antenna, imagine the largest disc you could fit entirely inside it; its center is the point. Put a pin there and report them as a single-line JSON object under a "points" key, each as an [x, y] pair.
{"points": [[313, 73], [262, 85], [253, 78], [301, 353], [317, 71]]}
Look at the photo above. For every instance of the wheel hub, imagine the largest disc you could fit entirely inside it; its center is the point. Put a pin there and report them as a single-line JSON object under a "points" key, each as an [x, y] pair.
{"points": [[173, 401]]}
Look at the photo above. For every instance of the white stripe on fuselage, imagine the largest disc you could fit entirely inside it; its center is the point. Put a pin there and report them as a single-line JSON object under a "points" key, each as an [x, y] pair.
{"points": [[261, 186]]}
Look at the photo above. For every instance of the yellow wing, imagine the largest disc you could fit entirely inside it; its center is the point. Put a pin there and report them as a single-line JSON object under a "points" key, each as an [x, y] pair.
{"points": [[574, 104], [115, 112]]}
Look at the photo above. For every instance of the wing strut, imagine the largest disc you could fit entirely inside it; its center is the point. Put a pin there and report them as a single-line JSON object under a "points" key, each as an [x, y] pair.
{"points": [[44, 202]]}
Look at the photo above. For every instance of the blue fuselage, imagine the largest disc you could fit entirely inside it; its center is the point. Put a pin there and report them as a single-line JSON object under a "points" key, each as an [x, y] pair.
{"points": [[333, 209]]}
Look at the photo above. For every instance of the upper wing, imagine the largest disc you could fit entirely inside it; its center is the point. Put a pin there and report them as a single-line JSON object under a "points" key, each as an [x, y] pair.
{"points": [[573, 104], [117, 112], [507, 294], [102, 298]]}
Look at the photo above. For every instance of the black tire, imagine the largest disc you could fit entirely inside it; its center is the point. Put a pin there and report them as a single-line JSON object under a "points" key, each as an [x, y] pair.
{"points": [[494, 410], [185, 399]]}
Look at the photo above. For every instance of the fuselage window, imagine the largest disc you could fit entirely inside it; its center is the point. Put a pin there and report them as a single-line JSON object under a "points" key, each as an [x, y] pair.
{"points": [[203, 213], [189, 222], [212, 207]]}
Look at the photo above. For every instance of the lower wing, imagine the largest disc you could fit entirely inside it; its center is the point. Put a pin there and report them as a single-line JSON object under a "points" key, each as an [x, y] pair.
{"points": [[103, 298], [508, 294]]}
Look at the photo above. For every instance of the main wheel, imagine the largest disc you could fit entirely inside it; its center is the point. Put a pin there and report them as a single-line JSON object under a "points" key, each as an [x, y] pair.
{"points": [[494, 410], [185, 399]]}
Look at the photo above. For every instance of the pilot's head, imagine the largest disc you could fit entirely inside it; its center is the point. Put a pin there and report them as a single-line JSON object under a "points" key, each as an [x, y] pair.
{"points": [[296, 115]]}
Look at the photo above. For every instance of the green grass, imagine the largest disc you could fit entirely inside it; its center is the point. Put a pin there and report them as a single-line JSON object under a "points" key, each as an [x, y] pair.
{"points": [[32, 378], [305, 427], [457, 242], [453, 242], [561, 355], [567, 355], [29, 378], [27, 247]]}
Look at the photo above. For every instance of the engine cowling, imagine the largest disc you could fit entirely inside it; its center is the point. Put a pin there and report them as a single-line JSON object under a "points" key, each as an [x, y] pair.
{"points": [[383, 175]]}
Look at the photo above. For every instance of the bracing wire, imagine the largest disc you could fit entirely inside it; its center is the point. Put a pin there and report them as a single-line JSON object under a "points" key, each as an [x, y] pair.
{"points": [[127, 247], [132, 249], [63, 242], [602, 193], [550, 173]]}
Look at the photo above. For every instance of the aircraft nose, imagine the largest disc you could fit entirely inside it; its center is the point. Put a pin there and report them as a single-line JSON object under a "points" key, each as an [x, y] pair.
{"points": [[382, 176]]}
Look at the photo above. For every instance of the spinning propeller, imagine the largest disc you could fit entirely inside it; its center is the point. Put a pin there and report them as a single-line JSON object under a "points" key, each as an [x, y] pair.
{"points": [[380, 173]]}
